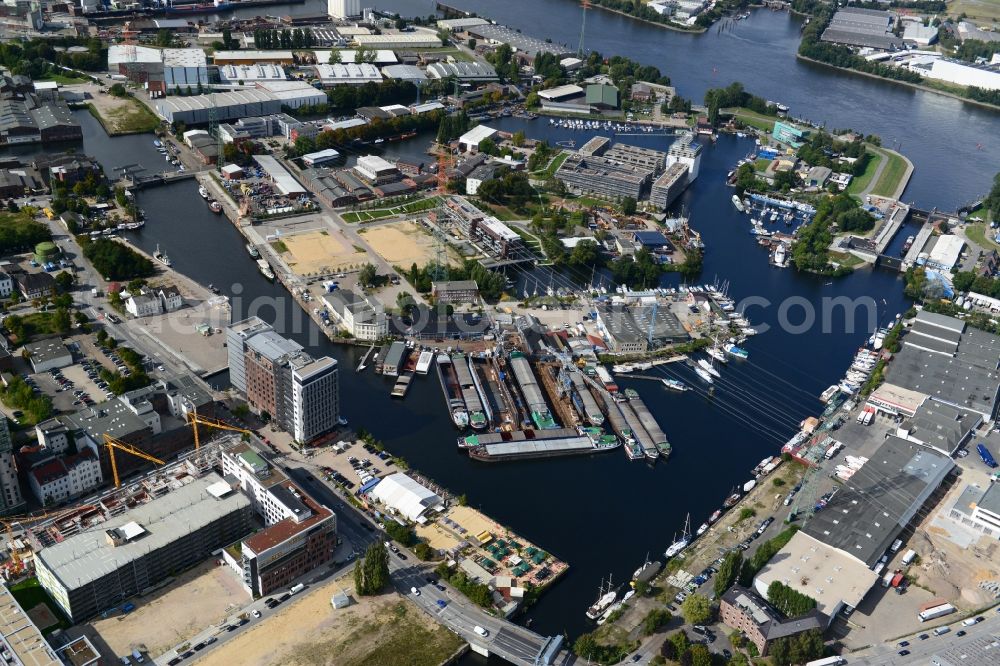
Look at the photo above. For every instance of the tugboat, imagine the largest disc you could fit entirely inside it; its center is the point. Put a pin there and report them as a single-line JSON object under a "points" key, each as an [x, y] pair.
{"points": [[160, 256], [215, 207]]}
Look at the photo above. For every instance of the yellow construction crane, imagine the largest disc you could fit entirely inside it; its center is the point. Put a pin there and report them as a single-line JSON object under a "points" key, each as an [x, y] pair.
{"points": [[114, 444], [9, 522], [194, 420]]}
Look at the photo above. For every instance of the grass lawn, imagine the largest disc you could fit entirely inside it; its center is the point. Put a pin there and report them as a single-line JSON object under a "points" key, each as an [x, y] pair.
{"points": [[548, 171], [859, 183], [29, 593], [279, 246], [761, 164], [63, 79], [891, 176], [846, 259], [417, 206], [131, 118], [752, 118], [980, 9], [977, 233]]}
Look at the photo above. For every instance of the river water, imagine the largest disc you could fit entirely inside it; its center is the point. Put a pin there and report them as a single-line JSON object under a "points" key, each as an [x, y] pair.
{"points": [[604, 514]]}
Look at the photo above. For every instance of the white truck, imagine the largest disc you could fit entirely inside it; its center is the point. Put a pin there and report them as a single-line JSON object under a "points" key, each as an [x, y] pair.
{"points": [[908, 556]]}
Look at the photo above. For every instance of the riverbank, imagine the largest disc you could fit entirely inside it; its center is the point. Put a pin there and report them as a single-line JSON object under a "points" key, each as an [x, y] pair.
{"points": [[892, 174], [667, 26], [917, 86]]}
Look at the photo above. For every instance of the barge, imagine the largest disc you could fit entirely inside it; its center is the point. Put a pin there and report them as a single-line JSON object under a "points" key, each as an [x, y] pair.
{"points": [[542, 448], [535, 403], [649, 423], [452, 391], [470, 394], [584, 401]]}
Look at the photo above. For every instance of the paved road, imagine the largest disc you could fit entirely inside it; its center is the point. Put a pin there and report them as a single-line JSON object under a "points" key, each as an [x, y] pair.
{"points": [[922, 651]]}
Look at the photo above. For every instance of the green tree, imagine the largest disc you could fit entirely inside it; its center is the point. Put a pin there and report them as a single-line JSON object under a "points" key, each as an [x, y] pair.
{"points": [[696, 609], [584, 254], [65, 280], [371, 574], [728, 571], [655, 619], [700, 656], [628, 206], [367, 275]]}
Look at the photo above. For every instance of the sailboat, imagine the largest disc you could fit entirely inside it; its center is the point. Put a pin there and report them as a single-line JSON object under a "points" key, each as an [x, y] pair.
{"points": [[682, 543], [604, 600]]}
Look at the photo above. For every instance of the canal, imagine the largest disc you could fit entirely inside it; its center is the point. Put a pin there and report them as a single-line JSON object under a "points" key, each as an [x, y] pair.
{"points": [[602, 514]]}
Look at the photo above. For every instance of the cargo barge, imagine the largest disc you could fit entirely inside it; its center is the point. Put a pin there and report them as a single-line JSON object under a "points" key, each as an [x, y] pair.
{"points": [[470, 394], [533, 398], [649, 423], [621, 428], [639, 431], [584, 401], [452, 391], [483, 439], [543, 448]]}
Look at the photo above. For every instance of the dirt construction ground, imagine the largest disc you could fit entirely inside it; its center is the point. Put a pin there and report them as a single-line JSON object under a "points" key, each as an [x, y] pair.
{"points": [[372, 631], [402, 244], [318, 252], [199, 598]]}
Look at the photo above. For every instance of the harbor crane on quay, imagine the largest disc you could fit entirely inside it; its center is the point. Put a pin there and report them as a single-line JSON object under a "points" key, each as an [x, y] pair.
{"points": [[194, 420], [114, 444]]}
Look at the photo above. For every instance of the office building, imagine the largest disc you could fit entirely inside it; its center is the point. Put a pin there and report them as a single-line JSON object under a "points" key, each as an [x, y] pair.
{"points": [[299, 534], [362, 318], [979, 509], [299, 393], [686, 151], [237, 335], [603, 177], [486, 231], [669, 186], [455, 291], [376, 170], [646, 158], [103, 566], [342, 9], [11, 499], [22, 637]]}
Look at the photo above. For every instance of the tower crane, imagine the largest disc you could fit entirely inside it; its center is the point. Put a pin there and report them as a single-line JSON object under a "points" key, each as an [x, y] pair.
{"points": [[19, 522], [114, 444], [194, 420]]}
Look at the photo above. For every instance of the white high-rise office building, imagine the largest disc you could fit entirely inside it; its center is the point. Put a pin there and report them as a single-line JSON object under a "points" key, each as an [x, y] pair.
{"points": [[686, 151], [315, 397], [343, 9]]}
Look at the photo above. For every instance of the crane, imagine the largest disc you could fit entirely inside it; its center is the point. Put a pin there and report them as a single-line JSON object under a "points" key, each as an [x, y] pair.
{"points": [[114, 444], [194, 420], [10, 522]]}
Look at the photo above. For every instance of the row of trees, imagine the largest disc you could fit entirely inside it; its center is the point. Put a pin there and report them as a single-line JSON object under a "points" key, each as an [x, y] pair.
{"points": [[279, 39], [451, 127], [371, 573], [763, 555], [115, 261], [34, 57], [490, 284], [797, 649], [639, 271], [509, 188], [376, 129], [789, 601]]}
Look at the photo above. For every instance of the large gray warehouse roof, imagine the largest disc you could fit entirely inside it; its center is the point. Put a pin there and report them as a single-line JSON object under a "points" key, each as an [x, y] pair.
{"points": [[880, 499], [85, 558]]}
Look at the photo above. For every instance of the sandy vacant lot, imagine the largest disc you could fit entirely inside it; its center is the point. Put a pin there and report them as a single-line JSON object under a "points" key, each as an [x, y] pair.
{"points": [[376, 631], [317, 252], [200, 598], [403, 244]]}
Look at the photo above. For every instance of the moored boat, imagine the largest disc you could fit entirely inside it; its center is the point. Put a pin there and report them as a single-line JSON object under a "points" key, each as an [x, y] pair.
{"points": [[265, 269], [203, 192], [704, 376], [739, 204], [253, 251], [738, 352], [215, 207], [675, 385]]}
